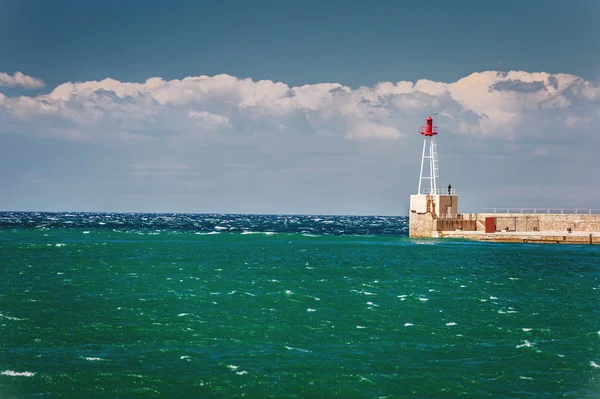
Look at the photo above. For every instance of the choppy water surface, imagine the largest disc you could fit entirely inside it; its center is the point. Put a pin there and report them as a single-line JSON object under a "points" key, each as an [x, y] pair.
{"points": [[203, 306]]}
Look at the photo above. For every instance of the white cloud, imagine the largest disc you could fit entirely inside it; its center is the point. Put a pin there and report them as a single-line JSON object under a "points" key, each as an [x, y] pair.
{"points": [[210, 120], [366, 131], [483, 104], [19, 79]]}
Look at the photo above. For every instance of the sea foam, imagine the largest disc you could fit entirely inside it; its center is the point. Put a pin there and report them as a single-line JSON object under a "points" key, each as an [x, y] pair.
{"points": [[12, 373]]}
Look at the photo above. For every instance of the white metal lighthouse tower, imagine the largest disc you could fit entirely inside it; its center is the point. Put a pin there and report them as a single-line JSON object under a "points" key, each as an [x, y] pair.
{"points": [[432, 209], [430, 153]]}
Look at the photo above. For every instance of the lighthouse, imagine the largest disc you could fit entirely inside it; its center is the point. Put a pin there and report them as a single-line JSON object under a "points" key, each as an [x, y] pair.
{"points": [[434, 211], [430, 154], [431, 203]]}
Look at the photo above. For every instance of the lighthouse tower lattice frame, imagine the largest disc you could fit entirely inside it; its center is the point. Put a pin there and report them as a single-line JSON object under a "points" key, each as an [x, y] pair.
{"points": [[428, 183]]}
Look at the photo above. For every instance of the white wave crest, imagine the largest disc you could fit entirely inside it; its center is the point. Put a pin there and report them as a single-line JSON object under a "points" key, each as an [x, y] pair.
{"points": [[10, 317], [12, 373], [525, 344], [291, 348]]}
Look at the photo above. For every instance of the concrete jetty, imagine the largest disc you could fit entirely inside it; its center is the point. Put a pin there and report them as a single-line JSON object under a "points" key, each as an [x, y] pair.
{"points": [[437, 216], [549, 237]]}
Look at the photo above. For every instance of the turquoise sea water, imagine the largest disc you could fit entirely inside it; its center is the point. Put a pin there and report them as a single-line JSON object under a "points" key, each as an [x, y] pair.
{"points": [[232, 306]]}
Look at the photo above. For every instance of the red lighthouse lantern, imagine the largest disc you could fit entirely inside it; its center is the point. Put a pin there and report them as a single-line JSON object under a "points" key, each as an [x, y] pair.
{"points": [[429, 129]]}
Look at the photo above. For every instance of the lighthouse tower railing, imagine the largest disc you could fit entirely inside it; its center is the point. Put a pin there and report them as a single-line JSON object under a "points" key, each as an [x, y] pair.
{"points": [[434, 159], [439, 191]]}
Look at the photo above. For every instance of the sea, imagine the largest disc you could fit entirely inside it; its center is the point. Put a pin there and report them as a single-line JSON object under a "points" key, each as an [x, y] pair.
{"points": [[114, 305]]}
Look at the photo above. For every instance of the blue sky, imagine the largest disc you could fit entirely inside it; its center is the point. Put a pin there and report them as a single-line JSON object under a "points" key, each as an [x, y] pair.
{"points": [[292, 115]]}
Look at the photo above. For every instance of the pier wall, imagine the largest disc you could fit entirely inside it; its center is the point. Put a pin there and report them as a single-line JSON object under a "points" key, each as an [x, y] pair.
{"points": [[545, 222], [514, 227], [451, 224], [421, 225], [526, 237]]}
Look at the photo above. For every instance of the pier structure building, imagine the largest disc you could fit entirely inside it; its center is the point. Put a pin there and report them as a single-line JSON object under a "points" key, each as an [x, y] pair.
{"points": [[434, 212]]}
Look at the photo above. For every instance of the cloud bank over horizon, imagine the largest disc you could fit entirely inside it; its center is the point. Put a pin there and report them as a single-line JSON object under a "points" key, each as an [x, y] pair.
{"points": [[482, 104], [19, 79], [227, 144]]}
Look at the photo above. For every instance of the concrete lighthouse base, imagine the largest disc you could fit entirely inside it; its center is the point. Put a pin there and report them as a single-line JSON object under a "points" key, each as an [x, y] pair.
{"points": [[431, 212]]}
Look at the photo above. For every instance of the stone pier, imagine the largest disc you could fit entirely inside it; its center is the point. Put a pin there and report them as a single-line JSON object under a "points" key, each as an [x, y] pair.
{"points": [[437, 216]]}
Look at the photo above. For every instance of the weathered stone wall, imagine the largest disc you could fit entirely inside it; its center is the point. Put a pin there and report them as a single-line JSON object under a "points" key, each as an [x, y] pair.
{"points": [[442, 202], [589, 223], [517, 223], [453, 224], [506, 223], [418, 203], [527, 223], [545, 222], [420, 224]]}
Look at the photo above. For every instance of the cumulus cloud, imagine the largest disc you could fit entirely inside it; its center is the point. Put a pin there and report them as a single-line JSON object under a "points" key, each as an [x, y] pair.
{"points": [[19, 79], [483, 104], [366, 131], [209, 119]]}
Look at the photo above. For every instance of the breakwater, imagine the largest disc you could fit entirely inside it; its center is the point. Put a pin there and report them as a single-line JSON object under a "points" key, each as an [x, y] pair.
{"points": [[430, 216]]}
